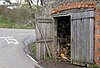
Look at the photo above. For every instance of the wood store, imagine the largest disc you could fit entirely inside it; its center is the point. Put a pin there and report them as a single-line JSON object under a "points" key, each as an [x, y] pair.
{"points": [[69, 34], [75, 32]]}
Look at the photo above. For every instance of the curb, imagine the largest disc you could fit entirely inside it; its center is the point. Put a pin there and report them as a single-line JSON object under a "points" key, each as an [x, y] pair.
{"points": [[29, 55]]}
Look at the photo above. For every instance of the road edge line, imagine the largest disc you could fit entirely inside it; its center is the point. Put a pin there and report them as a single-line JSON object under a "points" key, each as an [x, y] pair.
{"points": [[34, 61], [31, 58]]}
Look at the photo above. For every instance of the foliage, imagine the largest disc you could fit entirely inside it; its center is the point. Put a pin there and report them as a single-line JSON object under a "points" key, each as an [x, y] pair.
{"points": [[17, 17], [14, 25], [23, 26], [4, 19], [6, 22], [8, 1], [32, 48], [20, 16], [94, 66], [50, 58]]}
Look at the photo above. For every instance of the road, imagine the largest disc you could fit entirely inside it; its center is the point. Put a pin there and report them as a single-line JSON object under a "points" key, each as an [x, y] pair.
{"points": [[11, 48]]}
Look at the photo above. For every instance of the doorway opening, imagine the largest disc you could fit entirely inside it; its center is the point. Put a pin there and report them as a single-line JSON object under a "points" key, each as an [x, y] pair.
{"points": [[64, 37]]}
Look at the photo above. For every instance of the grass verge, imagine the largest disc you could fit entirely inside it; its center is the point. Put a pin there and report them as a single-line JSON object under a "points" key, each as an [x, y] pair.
{"points": [[94, 66], [16, 26]]}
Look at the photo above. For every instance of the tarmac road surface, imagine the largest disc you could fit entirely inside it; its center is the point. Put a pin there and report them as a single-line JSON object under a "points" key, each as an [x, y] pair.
{"points": [[11, 48]]}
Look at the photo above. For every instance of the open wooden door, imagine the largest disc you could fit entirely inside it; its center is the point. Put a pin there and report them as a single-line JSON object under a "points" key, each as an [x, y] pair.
{"points": [[82, 37], [44, 37]]}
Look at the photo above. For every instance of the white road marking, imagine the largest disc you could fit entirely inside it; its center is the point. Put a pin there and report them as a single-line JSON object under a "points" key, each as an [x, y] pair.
{"points": [[5, 39], [36, 63], [10, 40], [32, 58]]}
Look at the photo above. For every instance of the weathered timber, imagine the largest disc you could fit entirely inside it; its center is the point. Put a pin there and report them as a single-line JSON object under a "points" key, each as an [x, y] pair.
{"points": [[44, 36], [82, 30], [82, 13], [44, 40]]}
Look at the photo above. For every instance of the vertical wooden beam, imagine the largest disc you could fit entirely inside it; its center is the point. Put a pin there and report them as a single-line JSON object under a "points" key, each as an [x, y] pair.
{"points": [[53, 45]]}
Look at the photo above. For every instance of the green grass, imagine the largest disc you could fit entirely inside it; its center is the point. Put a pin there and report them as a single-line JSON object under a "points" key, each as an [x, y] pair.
{"points": [[23, 26], [16, 26], [94, 66], [7, 25], [32, 48], [6, 22]]}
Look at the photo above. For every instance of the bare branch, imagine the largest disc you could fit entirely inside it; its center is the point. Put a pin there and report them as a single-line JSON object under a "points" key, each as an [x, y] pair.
{"points": [[8, 1], [29, 2]]}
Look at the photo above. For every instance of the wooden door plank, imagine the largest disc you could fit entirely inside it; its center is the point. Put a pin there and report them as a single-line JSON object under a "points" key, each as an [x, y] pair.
{"points": [[82, 38], [43, 36], [92, 39]]}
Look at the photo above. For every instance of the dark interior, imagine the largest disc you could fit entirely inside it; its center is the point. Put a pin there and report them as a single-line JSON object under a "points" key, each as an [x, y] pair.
{"points": [[63, 27], [63, 37]]}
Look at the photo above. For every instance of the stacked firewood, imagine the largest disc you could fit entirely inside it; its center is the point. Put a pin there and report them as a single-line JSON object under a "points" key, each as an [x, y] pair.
{"points": [[65, 52]]}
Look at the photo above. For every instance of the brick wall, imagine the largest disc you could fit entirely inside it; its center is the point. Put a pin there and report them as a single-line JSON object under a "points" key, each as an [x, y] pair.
{"points": [[75, 5], [97, 35]]}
